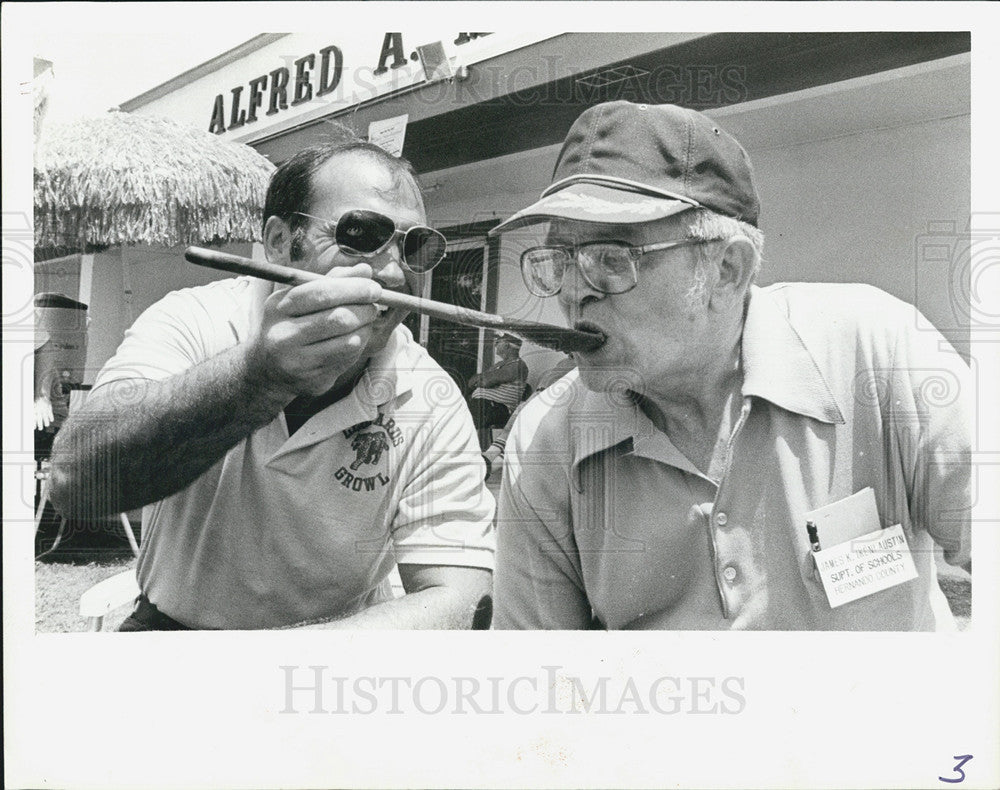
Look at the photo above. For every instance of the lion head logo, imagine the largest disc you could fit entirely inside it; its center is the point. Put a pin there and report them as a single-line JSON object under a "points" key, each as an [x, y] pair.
{"points": [[368, 448]]}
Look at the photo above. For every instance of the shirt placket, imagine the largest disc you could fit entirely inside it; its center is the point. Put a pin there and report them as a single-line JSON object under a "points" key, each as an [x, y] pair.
{"points": [[730, 556]]}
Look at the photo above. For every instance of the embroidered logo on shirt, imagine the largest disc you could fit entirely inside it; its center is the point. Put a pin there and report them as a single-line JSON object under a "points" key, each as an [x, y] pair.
{"points": [[369, 447], [387, 423]]}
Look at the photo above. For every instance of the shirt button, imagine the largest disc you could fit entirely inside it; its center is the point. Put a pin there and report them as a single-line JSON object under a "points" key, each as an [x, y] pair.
{"points": [[721, 519], [729, 573]]}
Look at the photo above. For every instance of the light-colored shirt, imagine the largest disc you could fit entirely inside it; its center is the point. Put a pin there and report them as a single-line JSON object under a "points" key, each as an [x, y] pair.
{"points": [[604, 523], [285, 529], [556, 372]]}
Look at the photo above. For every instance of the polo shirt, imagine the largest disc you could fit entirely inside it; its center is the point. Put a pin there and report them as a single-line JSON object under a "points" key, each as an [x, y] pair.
{"points": [[602, 522], [285, 529]]}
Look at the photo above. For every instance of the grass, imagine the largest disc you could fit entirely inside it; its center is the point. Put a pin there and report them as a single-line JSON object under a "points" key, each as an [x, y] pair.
{"points": [[959, 595], [59, 585]]}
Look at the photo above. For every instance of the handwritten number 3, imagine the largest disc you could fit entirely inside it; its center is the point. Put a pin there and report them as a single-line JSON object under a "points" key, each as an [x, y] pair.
{"points": [[962, 760]]}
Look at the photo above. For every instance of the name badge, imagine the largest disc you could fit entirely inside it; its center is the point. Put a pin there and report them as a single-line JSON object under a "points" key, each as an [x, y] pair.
{"points": [[865, 565]]}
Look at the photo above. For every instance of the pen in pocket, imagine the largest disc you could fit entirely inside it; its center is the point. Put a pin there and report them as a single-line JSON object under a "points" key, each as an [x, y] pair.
{"points": [[813, 535]]}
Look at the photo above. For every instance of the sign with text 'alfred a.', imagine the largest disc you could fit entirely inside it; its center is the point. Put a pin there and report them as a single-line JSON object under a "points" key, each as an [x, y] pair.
{"points": [[292, 80]]}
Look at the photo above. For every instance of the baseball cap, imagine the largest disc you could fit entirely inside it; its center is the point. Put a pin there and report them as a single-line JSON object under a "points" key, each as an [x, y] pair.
{"points": [[512, 339], [623, 162]]}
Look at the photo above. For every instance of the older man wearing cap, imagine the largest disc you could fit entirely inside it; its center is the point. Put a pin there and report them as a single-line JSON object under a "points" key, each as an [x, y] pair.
{"points": [[730, 448]]}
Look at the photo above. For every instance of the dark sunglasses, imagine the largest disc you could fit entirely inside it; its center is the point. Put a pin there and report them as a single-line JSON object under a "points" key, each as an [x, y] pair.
{"points": [[365, 234]]}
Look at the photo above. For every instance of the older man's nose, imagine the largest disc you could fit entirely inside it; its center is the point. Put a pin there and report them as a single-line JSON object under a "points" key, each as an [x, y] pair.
{"points": [[575, 291]]}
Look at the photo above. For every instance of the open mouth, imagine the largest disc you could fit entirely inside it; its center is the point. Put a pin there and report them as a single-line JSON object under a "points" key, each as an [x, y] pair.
{"points": [[587, 326]]}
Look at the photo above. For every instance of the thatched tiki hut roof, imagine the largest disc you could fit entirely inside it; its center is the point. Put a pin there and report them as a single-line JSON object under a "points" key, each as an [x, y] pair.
{"points": [[123, 179]]}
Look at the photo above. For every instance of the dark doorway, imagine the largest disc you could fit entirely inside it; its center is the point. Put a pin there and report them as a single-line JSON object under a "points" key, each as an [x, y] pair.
{"points": [[458, 280]]}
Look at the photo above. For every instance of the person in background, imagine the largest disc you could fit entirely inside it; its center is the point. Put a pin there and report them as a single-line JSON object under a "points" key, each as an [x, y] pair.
{"points": [[281, 438], [498, 389], [493, 455], [60, 355], [59, 360], [676, 480]]}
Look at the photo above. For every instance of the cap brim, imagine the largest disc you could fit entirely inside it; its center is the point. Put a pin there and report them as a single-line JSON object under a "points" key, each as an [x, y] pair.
{"points": [[589, 202]]}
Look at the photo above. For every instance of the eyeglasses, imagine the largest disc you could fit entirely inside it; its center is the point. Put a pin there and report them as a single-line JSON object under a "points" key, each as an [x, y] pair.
{"points": [[606, 266], [365, 234]]}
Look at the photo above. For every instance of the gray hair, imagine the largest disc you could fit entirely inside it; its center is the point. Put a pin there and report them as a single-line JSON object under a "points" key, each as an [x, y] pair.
{"points": [[706, 225]]}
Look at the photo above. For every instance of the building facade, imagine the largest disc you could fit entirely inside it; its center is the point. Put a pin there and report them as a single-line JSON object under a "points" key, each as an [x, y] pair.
{"points": [[860, 141]]}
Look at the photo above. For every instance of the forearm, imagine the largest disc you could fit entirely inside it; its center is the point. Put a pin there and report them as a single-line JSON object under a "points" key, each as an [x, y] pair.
{"points": [[501, 375], [434, 608], [138, 441], [490, 379], [441, 597]]}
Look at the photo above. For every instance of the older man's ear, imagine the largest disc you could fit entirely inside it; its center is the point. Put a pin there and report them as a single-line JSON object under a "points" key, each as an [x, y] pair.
{"points": [[735, 269]]}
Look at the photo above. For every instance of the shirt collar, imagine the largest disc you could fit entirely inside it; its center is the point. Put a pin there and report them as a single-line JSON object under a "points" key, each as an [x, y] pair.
{"points": [[389, 373], [387, 377], [777, 366], [600, 421], [597, 420]]}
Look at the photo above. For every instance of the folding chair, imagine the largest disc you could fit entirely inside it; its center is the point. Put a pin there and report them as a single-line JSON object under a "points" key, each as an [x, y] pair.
{"points": [[106, 596], [42, 475]]}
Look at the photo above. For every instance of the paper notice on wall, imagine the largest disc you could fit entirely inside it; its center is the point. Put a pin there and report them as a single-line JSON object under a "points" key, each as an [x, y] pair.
{"points": [[389, 133]]}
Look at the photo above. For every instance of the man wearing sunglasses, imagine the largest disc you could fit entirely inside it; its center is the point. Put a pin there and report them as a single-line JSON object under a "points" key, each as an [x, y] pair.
{"points": [[292, 445], [674, 483]]}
